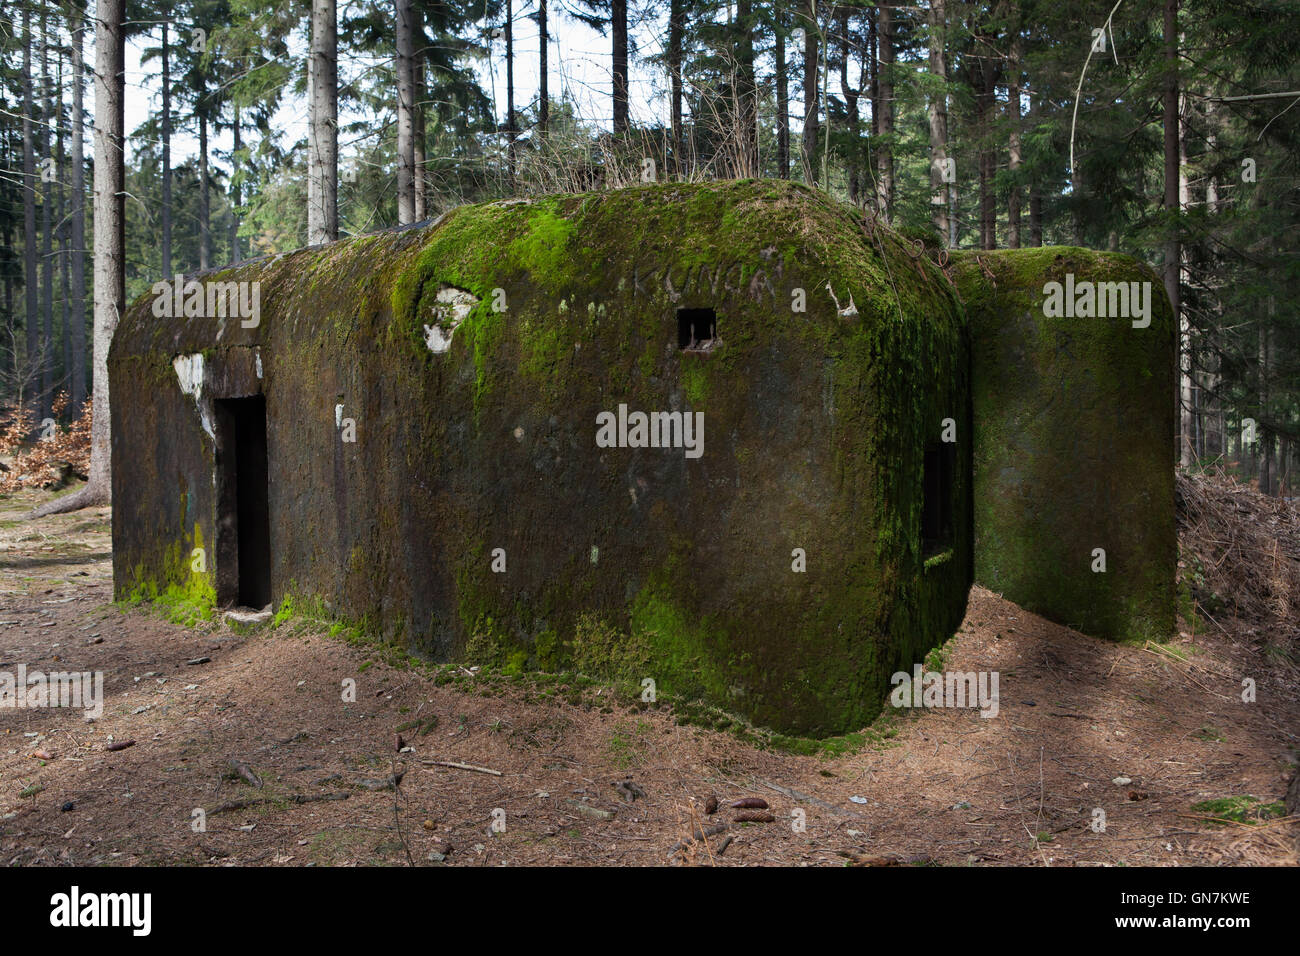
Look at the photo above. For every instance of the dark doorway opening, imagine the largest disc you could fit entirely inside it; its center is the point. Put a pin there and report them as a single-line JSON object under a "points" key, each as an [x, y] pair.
{"points": [[243, 511], [696, 328], [937, 503]]}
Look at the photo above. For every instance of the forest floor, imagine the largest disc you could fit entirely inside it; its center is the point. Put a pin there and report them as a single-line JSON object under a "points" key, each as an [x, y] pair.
{"points": [[1148, 735]]}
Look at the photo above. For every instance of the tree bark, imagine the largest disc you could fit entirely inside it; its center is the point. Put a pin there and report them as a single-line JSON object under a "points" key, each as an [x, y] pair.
{"points": [[405, 112], [47, 232], [782, 95], [417, 149], [510, 90], [236, 189], [1173, 248], [938, 116], [323, 160], [1013, 141], [60, 217], [313, 181], [810, 98], [205, 196], [885, 107], [543, 96], [985, 100], [166, 155], [618, 21], [746, 92], [676, 29], [110, 273], [1187, 363], [31, 278], [110, 285], [1264, 434], [78, 221], [851, 97]]}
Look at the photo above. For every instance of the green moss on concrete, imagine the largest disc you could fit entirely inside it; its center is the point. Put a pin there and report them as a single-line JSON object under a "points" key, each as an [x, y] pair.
{"points": [[183, 595], [816, 422], [1074, 429]]}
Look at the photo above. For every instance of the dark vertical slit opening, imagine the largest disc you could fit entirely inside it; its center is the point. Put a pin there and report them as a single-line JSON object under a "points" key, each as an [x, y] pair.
{"points": [[243, 511], [937, 503]]}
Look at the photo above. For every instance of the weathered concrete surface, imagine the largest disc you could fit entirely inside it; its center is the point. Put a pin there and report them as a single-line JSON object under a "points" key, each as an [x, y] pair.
{"points": [[475, 430], [1074, 443]]}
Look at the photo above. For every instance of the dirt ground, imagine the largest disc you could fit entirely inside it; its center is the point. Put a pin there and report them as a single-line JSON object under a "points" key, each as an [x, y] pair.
{"points": [[942, 786]]}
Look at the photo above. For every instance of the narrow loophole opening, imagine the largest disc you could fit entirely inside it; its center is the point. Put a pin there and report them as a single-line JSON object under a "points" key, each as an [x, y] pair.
{"points": [[696, 328]]}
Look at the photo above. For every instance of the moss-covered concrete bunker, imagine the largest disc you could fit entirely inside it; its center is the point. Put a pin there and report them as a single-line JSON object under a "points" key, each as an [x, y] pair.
{"points": [[455, 458], [1074, 440]]}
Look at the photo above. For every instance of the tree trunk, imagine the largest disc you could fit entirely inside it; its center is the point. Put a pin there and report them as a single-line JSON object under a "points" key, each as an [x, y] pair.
{"points": [[1013, 142], [405, 112], [746, 92], [313, 181], [60, 217], [782, 96], [676, 28], [938, 115], [510, 91], [10, 330], [78, 223], [1187, 363], [985, 101], [851, 96], [205, 204], [618, 21], [417, 150], [31, 278], [323, 161], [1264, 434], [236, 189], [110, 272], [166, 156], [885, 107], [47, 233], [543, 96], [1172, 250], [810, 104], [110, 285]]}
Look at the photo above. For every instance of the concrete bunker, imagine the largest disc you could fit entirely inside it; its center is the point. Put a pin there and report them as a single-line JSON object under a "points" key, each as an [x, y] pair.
{"points": [[454, 459]]}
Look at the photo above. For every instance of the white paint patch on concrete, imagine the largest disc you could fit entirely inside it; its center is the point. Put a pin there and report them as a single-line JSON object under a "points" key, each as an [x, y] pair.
{"points": [[451, 307], [338, 416], [435, 340], [848, 311], [189, 372], [257, 362]]}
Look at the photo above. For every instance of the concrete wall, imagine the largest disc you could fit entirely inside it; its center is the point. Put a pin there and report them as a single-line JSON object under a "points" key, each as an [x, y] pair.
{"points": [[1074, 439], [475, 358]]}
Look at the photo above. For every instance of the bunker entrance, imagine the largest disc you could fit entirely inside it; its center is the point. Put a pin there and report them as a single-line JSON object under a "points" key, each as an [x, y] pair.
{"points": [[937, 503], [243, 514], [696, 328]]}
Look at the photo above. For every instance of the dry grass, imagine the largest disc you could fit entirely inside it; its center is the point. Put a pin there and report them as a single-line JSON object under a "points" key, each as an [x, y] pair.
{"points": [[1241, 555]]}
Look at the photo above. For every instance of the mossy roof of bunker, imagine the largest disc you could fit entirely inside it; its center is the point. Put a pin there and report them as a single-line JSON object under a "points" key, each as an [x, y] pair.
{"points": [[578, 246]]}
